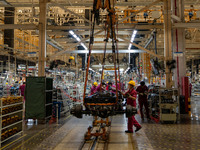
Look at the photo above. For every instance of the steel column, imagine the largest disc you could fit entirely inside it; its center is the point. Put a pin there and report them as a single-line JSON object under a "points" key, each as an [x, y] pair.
{"points": [[167, 41], [42, 38]]}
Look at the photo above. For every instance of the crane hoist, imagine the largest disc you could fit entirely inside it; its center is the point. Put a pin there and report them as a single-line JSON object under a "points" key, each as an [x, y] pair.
{"points": [[104, 104]]}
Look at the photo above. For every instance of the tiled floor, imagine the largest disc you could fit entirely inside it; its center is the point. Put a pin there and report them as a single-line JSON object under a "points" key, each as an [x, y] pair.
{"points": [[70, 132]]}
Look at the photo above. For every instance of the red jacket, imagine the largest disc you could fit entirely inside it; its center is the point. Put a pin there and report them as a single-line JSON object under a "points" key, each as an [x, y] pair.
{"points": [[130, 101], [22, 89], [93, 90], [142, 89]]}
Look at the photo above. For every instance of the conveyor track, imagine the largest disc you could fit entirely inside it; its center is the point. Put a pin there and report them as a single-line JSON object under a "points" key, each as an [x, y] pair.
{"points": [[96, 143]]}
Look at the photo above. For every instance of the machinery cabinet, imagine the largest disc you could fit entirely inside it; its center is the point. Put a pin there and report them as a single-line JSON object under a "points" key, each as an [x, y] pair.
{"points": [[39, 95], [11, 117], [169, 104]]}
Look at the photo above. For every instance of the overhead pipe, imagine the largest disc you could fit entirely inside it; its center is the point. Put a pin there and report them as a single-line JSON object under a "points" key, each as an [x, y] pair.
{"points": [[54, 45], [149, 41]]}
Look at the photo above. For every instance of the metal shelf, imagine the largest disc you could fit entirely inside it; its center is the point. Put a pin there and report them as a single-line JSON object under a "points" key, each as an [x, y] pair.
{"points": [[171, 115], [48, 90], [11, 113], [48, 104], [11, 124], [12, 104], [11, 136], [15, 124]]}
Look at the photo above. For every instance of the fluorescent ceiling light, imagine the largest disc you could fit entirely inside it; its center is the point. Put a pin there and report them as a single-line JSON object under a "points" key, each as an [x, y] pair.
{"points": [[77, 38], [84, 46], [132, 39], [126, 70], [121, 69], [4, 2], [93, 71]]}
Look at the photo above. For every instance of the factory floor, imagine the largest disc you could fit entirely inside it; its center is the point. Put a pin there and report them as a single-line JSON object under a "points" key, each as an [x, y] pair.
{"points": [[69, 134]]}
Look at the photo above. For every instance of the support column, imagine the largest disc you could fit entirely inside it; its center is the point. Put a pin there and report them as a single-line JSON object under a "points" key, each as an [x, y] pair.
{"points": [[179, 44], [9, 17], [167, 40], [42, 38], [9, 33]]}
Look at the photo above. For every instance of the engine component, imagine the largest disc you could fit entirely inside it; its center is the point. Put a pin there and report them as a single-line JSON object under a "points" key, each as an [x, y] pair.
{"points": [[100, 98], [77, 111], [102, 111]]}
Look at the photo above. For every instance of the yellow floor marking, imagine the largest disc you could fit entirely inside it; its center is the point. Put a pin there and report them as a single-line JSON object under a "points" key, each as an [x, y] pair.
{"points": [[32, 136], [13, 142], [29, 139], [67, 117]]}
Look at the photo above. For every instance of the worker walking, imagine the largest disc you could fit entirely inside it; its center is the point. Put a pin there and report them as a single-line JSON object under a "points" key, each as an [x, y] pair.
{"points": [[143, 92], [131, 95], [94, 88]]}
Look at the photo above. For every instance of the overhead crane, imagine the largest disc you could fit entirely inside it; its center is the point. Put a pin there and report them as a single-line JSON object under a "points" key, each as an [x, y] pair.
{"points": [[103, 104]]}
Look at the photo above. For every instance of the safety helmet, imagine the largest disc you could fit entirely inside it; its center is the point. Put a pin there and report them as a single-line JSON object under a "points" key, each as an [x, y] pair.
{"points": [[95, 83], [132, 83], [71, 57]]}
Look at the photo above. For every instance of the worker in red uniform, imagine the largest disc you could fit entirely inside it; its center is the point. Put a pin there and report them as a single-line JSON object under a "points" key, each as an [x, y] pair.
{"points": [[142, 92], [103, 87], [22, 89], [110, 87], [94, 88], [131, 95]]}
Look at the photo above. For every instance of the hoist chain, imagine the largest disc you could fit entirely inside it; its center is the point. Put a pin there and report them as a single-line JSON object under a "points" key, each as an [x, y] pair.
{"points": [[110, 33]]}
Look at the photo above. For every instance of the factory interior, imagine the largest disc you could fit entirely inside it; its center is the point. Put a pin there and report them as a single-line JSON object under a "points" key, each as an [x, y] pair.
{"points": [[99, 74]]}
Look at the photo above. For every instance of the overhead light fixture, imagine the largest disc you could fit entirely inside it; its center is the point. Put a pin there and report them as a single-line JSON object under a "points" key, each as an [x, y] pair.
{"points": [[126, 70], [78, 39], [93, 71], [132, 39], [121, 69], [84, 46], [4, 2]]}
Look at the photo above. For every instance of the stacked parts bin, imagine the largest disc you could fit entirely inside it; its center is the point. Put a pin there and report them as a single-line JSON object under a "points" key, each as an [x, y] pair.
{"points": [[11, 117]]}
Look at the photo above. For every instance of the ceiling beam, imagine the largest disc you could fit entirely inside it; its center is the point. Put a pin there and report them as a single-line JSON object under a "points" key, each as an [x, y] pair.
{"points": [[79, 3], [51, 27], [186, 25], [90, 4], [74, 45], [124, 32], [19, 26], [102, 51], [120, 27], [144, 49]]}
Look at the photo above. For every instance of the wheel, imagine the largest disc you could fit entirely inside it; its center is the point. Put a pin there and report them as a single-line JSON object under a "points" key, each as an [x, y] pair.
{"points": [[87, 137]]}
